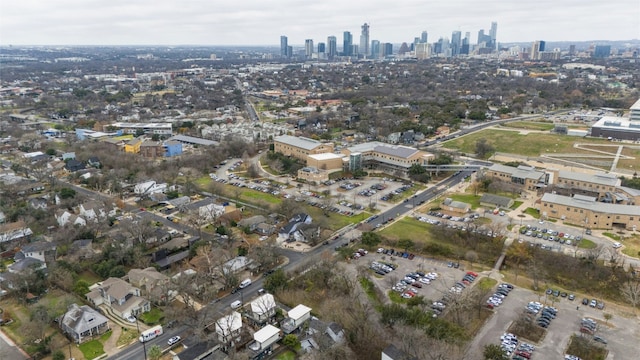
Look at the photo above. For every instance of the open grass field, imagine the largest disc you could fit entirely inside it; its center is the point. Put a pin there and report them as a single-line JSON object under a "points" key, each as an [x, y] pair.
{"points": [[631, 246], [473, 200], [407, 228], [513, 142], [529, 125]]}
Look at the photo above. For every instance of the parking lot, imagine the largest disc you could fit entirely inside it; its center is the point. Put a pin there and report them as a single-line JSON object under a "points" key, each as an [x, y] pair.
{"points": [[441, 284], [621, 333]]}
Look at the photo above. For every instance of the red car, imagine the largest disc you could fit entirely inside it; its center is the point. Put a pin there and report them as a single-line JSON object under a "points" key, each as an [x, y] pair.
{"points": [[472, 273]]}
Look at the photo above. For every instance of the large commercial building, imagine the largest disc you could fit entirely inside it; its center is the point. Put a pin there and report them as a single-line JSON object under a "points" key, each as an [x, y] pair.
{"points": [[602, 186], [587, 211], [347, 43], [332, 47], [300, 147], [384, 156], [284, 44], [364, 41], [621, 128], [146, 128], [526, 177]]}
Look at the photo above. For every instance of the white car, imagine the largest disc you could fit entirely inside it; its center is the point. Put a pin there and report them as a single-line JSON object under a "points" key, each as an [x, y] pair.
{"points": [[617, 245], [131, 319], [174, 340]]}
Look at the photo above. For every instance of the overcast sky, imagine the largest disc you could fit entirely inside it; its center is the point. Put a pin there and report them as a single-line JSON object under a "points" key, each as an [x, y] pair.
{"points": [[261, 22]]}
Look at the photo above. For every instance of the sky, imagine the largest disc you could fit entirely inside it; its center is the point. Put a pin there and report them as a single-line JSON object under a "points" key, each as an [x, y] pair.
{"points": [[261, 22]]}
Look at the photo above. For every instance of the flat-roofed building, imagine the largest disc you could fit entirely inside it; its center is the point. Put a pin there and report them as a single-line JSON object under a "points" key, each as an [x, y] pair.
{"points": [[147, 128], [599, 185], [525, 177], [586, 210], [300, 147], [326, 161], [622, 128], [381, 155]]}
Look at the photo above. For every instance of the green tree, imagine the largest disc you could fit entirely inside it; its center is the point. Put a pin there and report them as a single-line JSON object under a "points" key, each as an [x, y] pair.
{"points": [[371, 239], [494, 352], [66, 193], [483, 148], [154, 352], [406, 244], [81, 287], [58, 355], [275, 281], [291, 341]]}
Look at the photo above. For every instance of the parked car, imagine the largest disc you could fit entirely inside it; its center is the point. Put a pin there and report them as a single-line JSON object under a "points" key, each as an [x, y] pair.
{"points": [[174, 340]]}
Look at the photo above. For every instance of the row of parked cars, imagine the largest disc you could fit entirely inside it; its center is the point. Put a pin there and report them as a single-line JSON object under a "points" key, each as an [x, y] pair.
{"points": [[593, 303], [551, 235], [510, 345], [496, 299], [382, 268], [413, 281], [402, 254], [467, 279], [398, 191]]}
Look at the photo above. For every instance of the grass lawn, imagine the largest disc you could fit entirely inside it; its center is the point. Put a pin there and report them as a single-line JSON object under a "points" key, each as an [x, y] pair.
{"points": [[514, 143], [586, 244], [396, 297], [91, 349], [203, 182], [612, 236], [406, 228], [632, 246], [126, 337], [529, 125], [89, 276], [152, 317], [533, 212], [104, 337], [473, 200], [252, 196], [487, 283], [516, 204], [288, 355]]}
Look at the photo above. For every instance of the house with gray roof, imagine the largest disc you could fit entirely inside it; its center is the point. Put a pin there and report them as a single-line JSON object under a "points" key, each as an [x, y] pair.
{"points": [[391, 352], [82, 323], [121, 297]]}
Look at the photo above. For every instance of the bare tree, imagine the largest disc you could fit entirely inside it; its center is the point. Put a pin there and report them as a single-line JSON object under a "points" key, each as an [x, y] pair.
{"points": [[631, 291]]}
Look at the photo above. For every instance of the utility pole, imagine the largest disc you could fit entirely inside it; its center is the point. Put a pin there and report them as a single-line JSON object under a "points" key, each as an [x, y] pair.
{"points": [[144, 345]]}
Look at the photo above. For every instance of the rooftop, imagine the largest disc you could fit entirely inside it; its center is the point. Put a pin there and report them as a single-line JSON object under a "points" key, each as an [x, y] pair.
{"points": [[301, 142], [589, 203], [265, 333], [298, 311], [192, 140], [326, 156], [598, 178], [520, 172]]}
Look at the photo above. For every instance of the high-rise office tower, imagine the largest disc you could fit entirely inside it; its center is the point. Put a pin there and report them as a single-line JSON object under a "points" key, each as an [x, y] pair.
{"points": [[493, 33], [347, 42], [283, 46], [424, 37], [572, 49], [364, 40], [536, 49], [387, 49], [602, 51], [321, 48], [308, 48], [456, 43], [375, 49], [464, 49], [332, 47]]}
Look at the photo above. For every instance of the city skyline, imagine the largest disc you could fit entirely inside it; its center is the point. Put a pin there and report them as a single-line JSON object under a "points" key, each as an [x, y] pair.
{"points": [[196, 22]]}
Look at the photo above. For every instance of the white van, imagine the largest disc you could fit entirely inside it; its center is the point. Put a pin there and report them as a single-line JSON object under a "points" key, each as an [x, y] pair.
{"points": [[245, 283], [236, 304]]}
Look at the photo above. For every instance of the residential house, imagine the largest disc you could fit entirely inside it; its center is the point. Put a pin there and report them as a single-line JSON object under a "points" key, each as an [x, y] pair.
{"points": [[15, 231], [41, 250], [149, 187], [263, 340], [394, 138], [94, 211], [121, 297], [94, 161], [265, 229], [393, 353], [195, 349], [262, 309], [81, 249], [335, 332], [228, 328], [252, 222], [68, 156], [74, 165], [293, 225], [82, 323], [295, 318], [210, 212], [152, 283], [64, 217]]}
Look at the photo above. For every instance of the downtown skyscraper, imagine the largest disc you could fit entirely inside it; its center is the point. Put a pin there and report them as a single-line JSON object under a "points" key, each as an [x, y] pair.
{"points": [[284, 45], [332, 47], [364, 41], [347, 43]]}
